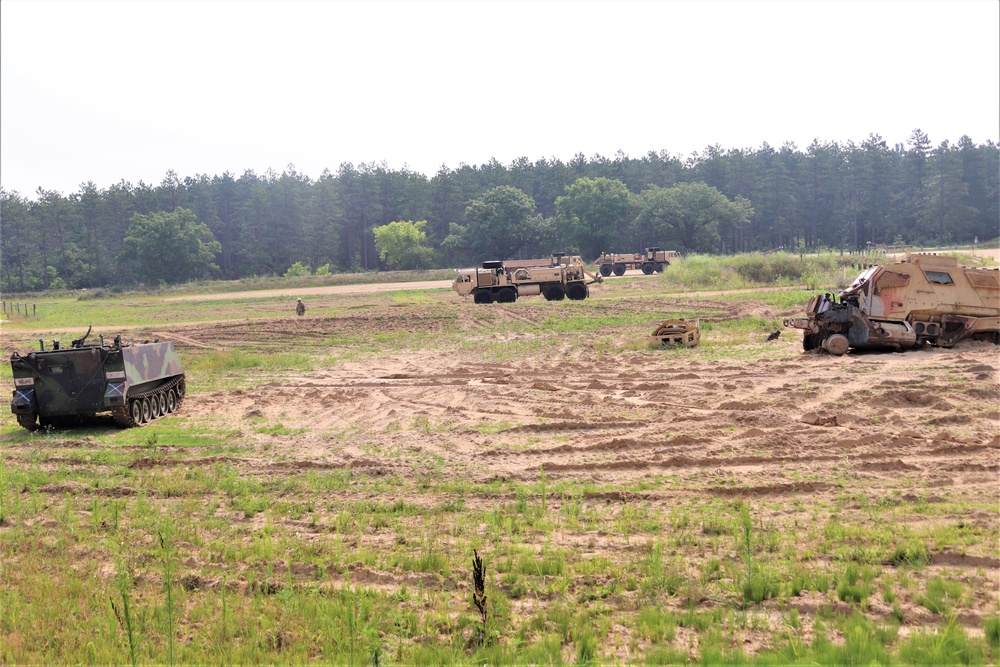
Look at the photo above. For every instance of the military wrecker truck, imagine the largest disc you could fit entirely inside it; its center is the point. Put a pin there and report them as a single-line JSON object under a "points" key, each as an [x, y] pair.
{"points": [[922, 298], [504, 281], [652, 260], [135, 382]]}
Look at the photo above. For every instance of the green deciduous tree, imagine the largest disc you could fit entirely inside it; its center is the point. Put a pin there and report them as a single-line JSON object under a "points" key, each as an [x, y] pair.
{"points": [[169, 247], [688, 215], [501, 222], [403, 245], [595, 214]]}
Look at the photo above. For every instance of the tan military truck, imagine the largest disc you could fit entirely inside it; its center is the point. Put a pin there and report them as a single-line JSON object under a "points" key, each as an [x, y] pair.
{"points": [[922, 298], [504, 281], [653, 260]]}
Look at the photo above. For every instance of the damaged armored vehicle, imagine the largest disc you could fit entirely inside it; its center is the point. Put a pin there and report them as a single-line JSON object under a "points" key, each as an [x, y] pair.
{"points": [[922, 298]]}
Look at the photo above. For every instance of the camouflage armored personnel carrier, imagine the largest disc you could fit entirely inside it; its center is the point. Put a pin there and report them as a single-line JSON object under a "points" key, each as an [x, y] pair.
{"points": [[922, 298], [136, 383]]}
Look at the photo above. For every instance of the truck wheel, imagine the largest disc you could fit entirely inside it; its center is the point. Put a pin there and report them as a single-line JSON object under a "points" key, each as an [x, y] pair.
{"points": [[506, 295], [577, 291], [619, 269], [554, 293], [483, 296], [605, 270], [836, 344], [647, 268], [659, 267]]}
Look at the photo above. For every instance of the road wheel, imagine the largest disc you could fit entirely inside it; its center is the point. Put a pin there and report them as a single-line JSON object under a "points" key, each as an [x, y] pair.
{"points": [[162, 401], [154, 407], [136, 411], [27, 421], [605, 270], [171, 401], [483, 296], [577, 291], [147, 411], [619, 269], [837, 344], [506, 295], [647, 268], [554, 293]]}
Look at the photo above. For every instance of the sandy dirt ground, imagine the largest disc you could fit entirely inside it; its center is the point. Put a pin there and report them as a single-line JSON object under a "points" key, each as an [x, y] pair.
{"points": [[929, 417], [792, 434], [788, 431]]}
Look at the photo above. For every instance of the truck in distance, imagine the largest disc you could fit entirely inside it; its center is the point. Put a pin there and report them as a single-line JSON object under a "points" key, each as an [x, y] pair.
{"points": [[652, 260], [504, 281]]}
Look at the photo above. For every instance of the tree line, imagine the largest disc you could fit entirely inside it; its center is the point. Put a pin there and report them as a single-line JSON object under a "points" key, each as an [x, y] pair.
{"points": [[829, 195]]}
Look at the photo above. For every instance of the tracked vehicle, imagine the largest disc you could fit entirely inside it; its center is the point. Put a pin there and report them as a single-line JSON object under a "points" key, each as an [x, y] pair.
{"points": [[504, 281], [923, 298], [135, 382]]}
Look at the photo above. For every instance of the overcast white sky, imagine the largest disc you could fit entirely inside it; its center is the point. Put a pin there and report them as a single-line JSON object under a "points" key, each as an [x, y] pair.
{"points": [[111, 91]]}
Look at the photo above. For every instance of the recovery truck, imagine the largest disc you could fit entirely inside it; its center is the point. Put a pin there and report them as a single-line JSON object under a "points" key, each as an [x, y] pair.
{"points": [[652, 260], [922, 298], [504, 281]]}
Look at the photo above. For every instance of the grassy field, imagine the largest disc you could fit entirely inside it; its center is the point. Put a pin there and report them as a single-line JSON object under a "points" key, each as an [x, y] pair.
{"points": [[225, 535]]}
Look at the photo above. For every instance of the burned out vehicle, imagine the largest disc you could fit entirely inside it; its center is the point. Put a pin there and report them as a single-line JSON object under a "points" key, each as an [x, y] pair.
{"points": [[678, 332], [135, 382], [923, 298]]}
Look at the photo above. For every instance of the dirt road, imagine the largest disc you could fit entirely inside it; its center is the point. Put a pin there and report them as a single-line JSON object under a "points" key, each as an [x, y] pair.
{"points": [[328, 289]]}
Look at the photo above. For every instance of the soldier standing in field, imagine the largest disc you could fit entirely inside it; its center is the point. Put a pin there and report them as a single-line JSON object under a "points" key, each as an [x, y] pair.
{"points": [[300, 308]]}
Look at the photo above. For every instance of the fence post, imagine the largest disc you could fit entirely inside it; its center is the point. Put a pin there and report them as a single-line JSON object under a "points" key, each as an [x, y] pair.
{"points": [[34, 313]]}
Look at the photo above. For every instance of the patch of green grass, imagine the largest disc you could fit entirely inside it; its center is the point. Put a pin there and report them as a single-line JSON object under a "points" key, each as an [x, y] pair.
{"points": [[852, 587], [656, 625], [279, 429], [494, 427], [991, 629], [945, 646], [940, 595]]}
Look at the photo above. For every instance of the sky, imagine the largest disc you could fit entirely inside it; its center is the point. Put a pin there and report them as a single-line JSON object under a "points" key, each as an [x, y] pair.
{"points": [[106, 92]]}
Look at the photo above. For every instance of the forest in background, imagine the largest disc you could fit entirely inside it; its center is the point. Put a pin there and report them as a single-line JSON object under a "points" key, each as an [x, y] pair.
{"points": [[719, 201]]}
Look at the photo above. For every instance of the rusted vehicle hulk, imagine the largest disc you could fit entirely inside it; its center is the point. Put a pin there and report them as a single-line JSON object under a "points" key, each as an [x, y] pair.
{"points": [[652, 260], [681, 332], [561, 276], [136, 383], [923, 298]]}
